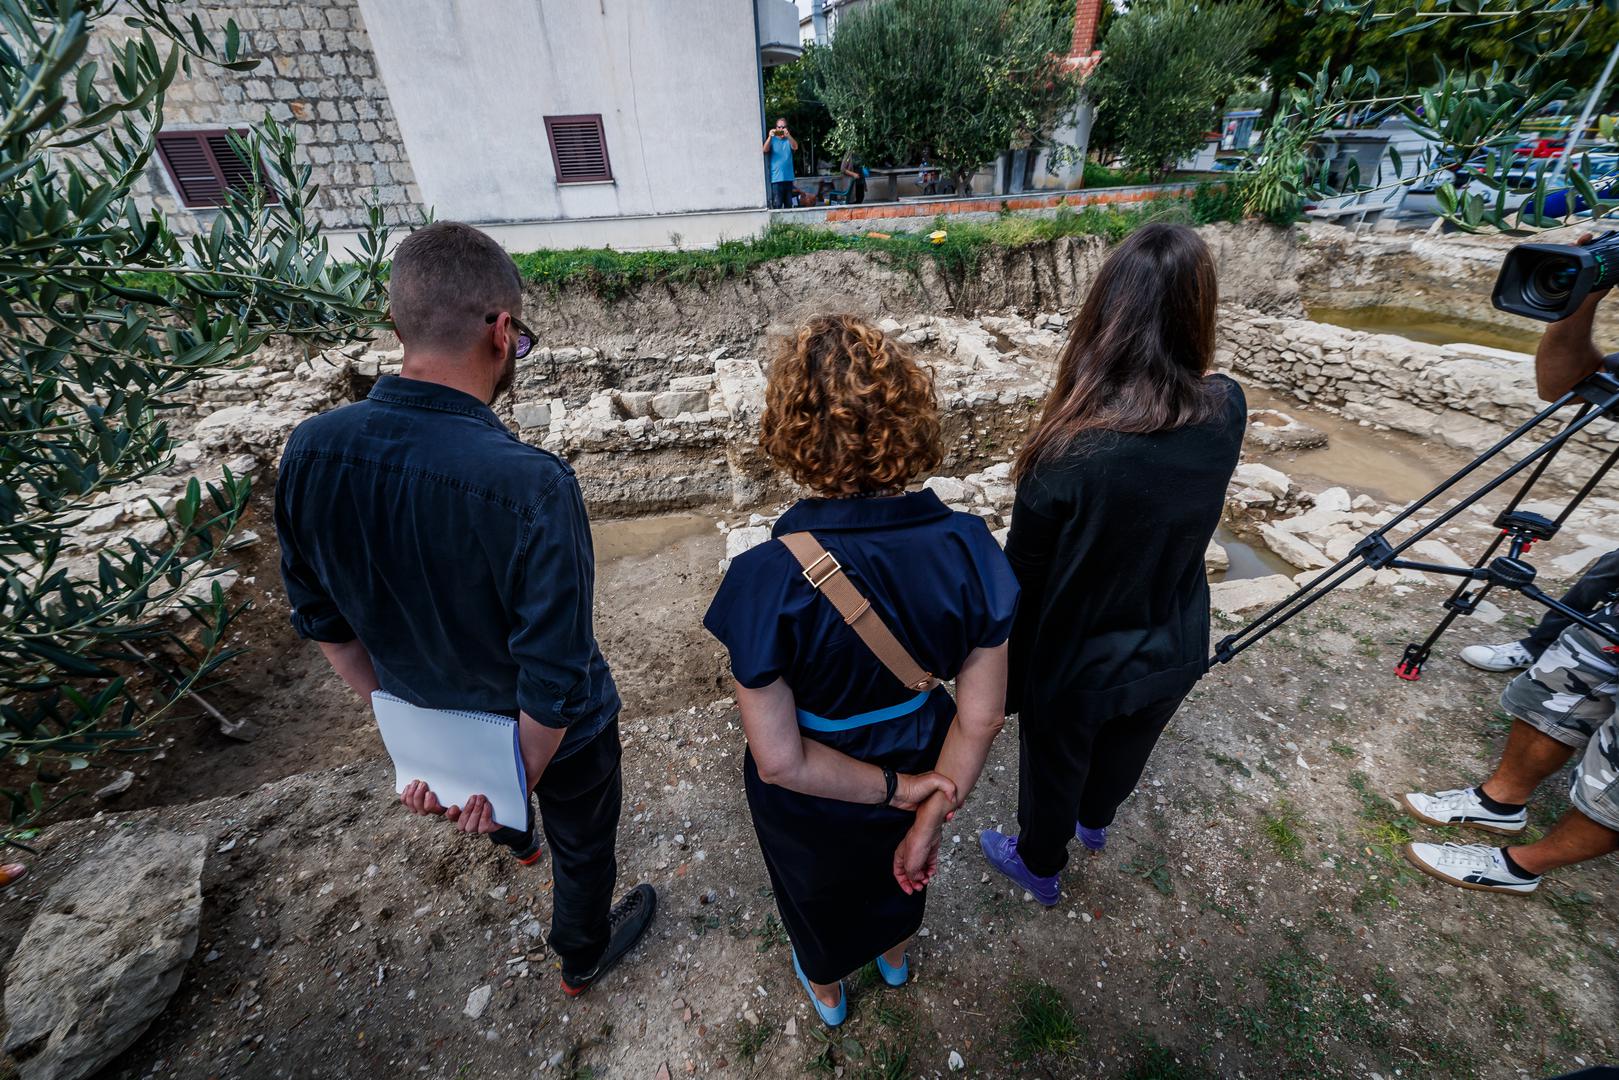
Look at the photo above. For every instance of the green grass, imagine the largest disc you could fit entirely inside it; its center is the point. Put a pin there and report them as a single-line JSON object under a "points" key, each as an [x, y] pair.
{"points": [[1157, 1062], [750, 1039], [1281, 827], [888, 1062], [1045, 1024], [1101, 176], [613, 275], [1305, 1009], [1152, 866]]}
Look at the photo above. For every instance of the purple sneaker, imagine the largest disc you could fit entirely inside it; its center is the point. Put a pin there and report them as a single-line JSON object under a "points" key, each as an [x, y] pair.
{"points": [[1001, 851], [1093, 839]]}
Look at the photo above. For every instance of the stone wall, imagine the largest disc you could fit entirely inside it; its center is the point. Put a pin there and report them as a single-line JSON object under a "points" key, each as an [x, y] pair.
{"points": [[1467, 396], [317, 73]]}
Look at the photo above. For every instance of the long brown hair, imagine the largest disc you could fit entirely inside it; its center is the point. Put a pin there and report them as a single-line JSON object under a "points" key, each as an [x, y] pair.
{"points": [[1136, 356]]}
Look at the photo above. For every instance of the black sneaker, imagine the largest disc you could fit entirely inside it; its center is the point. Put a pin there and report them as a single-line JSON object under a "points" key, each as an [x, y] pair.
{"points": [[629, 919]]}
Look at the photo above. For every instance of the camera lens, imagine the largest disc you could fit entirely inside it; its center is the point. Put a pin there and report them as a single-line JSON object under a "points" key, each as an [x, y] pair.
{"points": [[1551, 282]]}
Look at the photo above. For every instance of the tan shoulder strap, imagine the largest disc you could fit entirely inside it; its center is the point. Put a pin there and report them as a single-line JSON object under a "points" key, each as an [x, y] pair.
{"points": [[825, 575]]}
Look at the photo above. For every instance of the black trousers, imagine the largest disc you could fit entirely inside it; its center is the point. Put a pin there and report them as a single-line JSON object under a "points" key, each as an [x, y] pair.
{"points": [[1588, 594], [1078, 769], [781, 194], [579, 799]]}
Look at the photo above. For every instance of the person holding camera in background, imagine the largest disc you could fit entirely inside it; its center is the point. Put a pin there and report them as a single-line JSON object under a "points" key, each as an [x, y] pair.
{"points": [[781, 146], [1567, 701]]}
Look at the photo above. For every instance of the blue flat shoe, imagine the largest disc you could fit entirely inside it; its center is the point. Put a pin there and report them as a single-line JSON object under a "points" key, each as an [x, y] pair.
{"points": [[831, 1015], [895, 976]]}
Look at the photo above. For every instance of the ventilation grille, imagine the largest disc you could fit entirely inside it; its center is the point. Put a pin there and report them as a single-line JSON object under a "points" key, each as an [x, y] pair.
{"points": [[578, 149]]}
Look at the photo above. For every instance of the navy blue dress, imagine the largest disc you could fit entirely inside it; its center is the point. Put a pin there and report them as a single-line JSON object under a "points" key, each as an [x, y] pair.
{"points": [[944, 588]]}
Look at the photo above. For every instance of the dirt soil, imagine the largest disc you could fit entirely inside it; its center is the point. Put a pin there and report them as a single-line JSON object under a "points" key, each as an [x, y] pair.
{"points": [[1251, 917]]}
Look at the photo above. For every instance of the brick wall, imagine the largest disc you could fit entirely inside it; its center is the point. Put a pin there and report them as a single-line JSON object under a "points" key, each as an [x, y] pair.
{"points": [[317, 74]]}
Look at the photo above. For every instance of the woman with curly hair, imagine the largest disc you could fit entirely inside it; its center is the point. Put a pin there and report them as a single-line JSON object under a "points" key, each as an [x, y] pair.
{"points": [[1119, 491], [856, 752]]}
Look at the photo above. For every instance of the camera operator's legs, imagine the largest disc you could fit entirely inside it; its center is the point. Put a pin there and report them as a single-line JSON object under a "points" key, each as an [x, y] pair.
{"points": [[1588, 594], [1564, 703]]}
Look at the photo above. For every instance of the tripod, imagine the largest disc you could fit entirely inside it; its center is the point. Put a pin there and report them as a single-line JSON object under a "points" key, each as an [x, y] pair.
{"points": [[1598, 396]]}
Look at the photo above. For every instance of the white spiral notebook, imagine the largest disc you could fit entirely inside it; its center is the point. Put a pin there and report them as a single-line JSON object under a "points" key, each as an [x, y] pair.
{"points": [[458, 754]]}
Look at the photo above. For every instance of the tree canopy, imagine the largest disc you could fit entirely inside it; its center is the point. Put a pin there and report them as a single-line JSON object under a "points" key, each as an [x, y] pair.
{"points": [[1495, 68], [959, 80], [1166, 66]]}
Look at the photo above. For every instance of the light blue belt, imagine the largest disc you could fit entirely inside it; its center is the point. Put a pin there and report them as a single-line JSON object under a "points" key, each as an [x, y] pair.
{"points": [[810, 722]]}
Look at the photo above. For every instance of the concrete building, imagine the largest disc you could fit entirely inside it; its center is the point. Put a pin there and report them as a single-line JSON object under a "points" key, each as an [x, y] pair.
{"points": [[555, 122]]}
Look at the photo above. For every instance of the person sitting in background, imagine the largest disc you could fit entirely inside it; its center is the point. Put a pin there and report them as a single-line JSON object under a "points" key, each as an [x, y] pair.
{"points": [[852, 766], [1567, 702], [855, 174], [1119, 491], [1596, 587]]}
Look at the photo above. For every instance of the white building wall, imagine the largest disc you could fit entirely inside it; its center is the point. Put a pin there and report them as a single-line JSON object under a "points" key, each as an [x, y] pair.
{"points": [[676, 83]]}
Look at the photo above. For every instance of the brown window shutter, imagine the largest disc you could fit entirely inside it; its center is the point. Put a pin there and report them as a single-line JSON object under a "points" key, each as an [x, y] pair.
{"points": [[578, 148], [204, 166]]}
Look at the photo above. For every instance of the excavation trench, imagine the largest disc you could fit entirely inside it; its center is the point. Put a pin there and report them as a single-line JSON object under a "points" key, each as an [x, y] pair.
{"points": [[337, 929]]}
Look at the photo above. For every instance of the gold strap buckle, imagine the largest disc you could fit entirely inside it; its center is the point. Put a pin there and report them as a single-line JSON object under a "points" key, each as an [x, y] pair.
{"points": [[809, 571], [926, 684]]}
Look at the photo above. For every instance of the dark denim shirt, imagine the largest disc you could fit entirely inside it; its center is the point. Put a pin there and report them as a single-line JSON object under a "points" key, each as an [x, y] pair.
{"points": [[458, 555]]}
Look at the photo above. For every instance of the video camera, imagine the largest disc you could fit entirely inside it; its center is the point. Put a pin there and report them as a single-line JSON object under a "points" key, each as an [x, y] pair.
{"points": [[1550, 281]]}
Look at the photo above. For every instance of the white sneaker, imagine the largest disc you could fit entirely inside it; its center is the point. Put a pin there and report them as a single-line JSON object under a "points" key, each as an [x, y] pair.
{"points": [[1462, 807], [1471, 866], [1508, 656]]}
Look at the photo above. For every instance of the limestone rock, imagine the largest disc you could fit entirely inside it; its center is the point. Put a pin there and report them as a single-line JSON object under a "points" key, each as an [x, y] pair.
{"points": [[948, 489], [672, 403], [744, 539], [1234, 597], [637, 404], [1272, 481], [259, 430], [740, 384], [1215, 558], [532, 415], [1272, 431], [701, 384], [1295, 550], [1334, 498], [104, 954]]}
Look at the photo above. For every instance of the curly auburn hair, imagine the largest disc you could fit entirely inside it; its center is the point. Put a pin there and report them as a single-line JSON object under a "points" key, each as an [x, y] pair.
{"points": [[848, 411]]}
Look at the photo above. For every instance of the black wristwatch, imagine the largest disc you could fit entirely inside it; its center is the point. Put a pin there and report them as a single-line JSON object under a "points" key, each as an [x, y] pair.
{"points": [[891, 782]]}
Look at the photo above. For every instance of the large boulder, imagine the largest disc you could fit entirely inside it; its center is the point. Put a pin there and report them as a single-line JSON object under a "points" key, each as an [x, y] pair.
{"points": [[260, 430], [104, 954], [1246, 594]]}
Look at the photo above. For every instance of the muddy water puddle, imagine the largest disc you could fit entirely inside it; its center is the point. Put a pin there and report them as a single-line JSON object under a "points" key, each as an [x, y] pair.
{"points": [[643, 537], [1426, 326], [1248, 560], [1387, 465]]}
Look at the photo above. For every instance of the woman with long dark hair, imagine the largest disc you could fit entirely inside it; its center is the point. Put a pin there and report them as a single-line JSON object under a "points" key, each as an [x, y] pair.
{"points": [[1119, 492]]}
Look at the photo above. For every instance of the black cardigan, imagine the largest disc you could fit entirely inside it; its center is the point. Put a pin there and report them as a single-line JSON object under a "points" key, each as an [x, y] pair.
{"points": [[1107, 543]]}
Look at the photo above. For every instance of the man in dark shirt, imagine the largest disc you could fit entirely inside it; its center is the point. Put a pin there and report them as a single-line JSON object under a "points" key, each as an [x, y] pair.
{"points": [[435, 556]]}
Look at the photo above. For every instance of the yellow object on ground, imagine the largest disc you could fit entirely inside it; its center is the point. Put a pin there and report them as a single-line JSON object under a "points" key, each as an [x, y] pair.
{"points": [[937, 236]]}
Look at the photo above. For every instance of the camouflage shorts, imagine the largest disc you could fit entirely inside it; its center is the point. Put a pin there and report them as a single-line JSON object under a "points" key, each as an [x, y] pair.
{"points": [[1571, 694]]}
